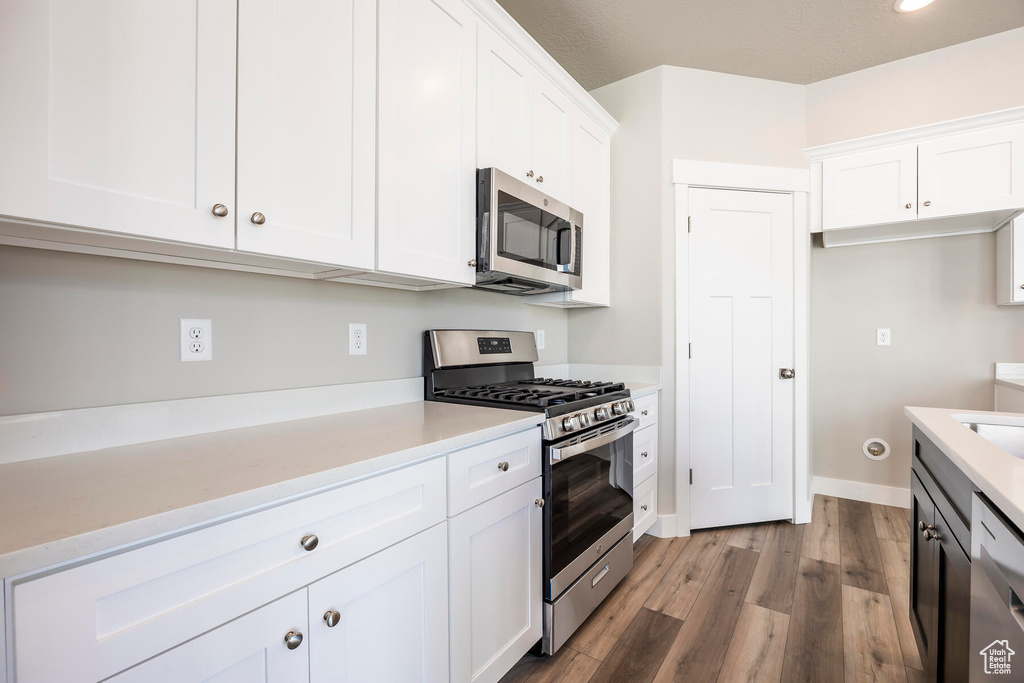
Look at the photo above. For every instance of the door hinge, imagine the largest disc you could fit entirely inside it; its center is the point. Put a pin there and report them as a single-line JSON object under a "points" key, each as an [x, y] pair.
{"points": [[691, 476], [689, 224], [689, 350]]}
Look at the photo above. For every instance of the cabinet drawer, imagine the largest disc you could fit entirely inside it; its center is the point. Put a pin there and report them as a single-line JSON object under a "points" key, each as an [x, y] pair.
{"points": [[121, 609], [482, 472], [646, 410], [645, 506], [645, 454]]}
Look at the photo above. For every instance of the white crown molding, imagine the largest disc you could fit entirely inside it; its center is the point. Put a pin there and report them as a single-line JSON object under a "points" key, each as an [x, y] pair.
{"points": [[1003, 117], [502, 22], [740, 176]]}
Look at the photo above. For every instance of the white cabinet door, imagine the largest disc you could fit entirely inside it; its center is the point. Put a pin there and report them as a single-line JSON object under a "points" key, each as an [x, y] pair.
{"points": [[427, 130], [971, 173], [389, 615], [306, 110], [552, 140], [120, 116], [1010, 263], [591, 194], [495, 578], [504, 106], [250, 649], [870, 188]]}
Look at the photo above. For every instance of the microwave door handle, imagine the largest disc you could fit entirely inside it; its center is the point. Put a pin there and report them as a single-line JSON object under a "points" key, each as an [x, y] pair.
{"points": [[567, 266], [560, 454]]}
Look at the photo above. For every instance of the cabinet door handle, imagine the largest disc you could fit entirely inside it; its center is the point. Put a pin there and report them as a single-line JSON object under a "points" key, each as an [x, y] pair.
{"points": [[540, 179], [309, 542], [643, 412], [643, 507], [927, 204], [909, 205], [529, 174], [644, 454], [331, 618], [219, 210], [293, 639], [503, 466], [258, 218]]}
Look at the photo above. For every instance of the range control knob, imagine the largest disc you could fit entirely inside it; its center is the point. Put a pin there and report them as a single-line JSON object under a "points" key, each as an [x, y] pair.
{"points": [[602, 413], [570, 424], [619, 408], [584, 420], [629, 405]]}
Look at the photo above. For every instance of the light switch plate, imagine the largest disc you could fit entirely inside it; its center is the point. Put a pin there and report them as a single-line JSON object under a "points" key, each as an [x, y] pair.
{"points": [[196, 339]]}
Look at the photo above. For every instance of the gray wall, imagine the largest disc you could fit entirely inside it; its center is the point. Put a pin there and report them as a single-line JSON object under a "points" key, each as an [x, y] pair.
{"points": [[82, 331]]}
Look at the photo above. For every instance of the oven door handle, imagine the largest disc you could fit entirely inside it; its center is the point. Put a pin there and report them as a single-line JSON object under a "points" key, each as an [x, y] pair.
{"points": [[560, 454]]}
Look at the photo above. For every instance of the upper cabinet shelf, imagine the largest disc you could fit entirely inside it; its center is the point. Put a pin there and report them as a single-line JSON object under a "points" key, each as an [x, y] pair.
{"points": [[965, 176]]}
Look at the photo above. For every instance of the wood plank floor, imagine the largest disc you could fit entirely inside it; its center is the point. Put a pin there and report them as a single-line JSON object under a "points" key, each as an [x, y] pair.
{"points": [[825, 601]]}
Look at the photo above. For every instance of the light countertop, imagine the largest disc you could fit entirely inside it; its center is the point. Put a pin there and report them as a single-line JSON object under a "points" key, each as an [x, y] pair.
{"points": [[641, 389], [999, 475], [60, 508]]}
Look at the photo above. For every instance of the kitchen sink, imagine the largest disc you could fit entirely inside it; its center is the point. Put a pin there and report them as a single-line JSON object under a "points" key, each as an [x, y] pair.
{"points": [[1009, 437]]}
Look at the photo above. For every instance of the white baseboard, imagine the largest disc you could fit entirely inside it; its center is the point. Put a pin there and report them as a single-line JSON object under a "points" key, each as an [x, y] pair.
{"points": [[665, 527], [858, 490]]}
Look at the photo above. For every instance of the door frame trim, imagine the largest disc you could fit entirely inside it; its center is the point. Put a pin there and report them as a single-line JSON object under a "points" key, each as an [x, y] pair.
{"points": [[796, 183]]}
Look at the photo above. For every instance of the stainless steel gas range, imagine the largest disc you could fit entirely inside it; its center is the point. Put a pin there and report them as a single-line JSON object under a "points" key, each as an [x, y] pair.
{"points": [[587, 463]]}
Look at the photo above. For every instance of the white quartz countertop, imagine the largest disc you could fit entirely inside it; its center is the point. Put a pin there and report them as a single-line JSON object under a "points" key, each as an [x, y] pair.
{"points": [[997, 473], [65, 507], [641, 389]]}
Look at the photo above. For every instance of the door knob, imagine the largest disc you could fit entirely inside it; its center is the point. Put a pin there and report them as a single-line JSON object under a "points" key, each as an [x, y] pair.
{"points": [[219, 210], [472, 263], [309, 542], [539, 502], [258, 218], [293, 639], [331, 618], [786, 373]]}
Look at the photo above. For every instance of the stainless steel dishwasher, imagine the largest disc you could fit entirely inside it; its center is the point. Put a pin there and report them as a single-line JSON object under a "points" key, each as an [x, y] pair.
{"points": [[997, 586]]}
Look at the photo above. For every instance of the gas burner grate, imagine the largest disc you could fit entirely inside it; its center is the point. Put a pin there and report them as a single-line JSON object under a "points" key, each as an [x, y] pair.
{"points": [[540, 393]]}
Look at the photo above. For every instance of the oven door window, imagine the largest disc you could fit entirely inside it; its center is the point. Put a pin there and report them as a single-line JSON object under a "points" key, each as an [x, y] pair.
{"points": [[531, 235], [587, 500]]}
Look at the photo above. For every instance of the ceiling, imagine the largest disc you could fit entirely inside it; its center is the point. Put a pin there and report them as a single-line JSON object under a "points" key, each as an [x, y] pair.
{"points": [[798, 41]]}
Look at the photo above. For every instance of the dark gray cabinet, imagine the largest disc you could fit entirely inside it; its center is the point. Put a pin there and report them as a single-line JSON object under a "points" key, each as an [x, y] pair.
{"points": [[940, 565]]}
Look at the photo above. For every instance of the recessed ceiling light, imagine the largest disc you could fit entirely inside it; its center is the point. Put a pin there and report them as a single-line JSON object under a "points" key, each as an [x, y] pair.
{"points": [[911, 5]]}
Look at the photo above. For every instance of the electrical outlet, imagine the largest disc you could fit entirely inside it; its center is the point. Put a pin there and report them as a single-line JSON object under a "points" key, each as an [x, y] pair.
{"points": [[540, 340], [357, 339], [196, 339], [883, 336]]}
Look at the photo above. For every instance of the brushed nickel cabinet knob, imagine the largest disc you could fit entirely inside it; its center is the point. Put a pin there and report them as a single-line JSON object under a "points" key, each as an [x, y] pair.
{"points": [[529, 174], [293, 639], [503, 466], [909, 205], [927, 204], [258, 218], [219, 210], [540, 179], [331, 618], [309, 542]]}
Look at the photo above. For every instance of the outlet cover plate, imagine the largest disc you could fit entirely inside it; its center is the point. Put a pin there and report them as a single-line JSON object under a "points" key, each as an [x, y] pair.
{"points": [[883, 336], [357, 339], [540, 340], [196, 339]]}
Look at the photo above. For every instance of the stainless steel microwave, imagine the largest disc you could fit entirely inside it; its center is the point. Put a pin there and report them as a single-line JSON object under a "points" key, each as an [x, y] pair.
{"points": [[526, 241]]}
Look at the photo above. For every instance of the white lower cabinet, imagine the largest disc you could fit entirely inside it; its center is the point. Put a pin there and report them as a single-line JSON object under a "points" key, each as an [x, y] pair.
{"points": [[384, 619], [253, 648], [645, 465], [495, 584], [645, 506]]}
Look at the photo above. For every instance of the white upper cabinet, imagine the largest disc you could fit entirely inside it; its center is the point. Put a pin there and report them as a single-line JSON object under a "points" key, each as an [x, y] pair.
{"points": [[306, 127], [427, 139], [870, 188], [504, 106], [971, 173], [1010, 263], [120, 116], [552, 140], [591, 195]]}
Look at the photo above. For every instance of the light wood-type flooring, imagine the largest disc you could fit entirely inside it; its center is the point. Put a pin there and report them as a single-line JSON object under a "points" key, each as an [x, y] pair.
{"points": [[825, 601]]}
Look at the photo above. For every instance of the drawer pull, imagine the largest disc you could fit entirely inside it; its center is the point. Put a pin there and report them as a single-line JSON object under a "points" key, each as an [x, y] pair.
{"points": [[644, 507], [503, 466], [643, 412], [331, 618], [309, 542], [644, 454], [293, 639], [600, 575]]}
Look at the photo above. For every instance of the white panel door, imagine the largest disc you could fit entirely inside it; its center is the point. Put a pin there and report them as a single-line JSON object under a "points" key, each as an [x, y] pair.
{"points": [[591, 194], [504, 106], [552, 140], [250, 649], [971, 173], [741, 330], [120, 116], [495, 577], [306, 126], [869, 188], [390, 616], [427, 130]]}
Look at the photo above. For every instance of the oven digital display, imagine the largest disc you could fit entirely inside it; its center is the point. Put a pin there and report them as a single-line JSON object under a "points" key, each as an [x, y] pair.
{"points": [[490, 345]]}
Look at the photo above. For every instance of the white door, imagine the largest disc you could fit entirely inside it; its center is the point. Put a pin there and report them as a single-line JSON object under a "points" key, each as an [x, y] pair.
{"points": [[504, 106], [552, 140], [120, 116], [591, 195], [495, 577], [250, 649], [427, 131], [306, 126], [389, 614], [971, 173], [869, 188], [741, 331]]}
